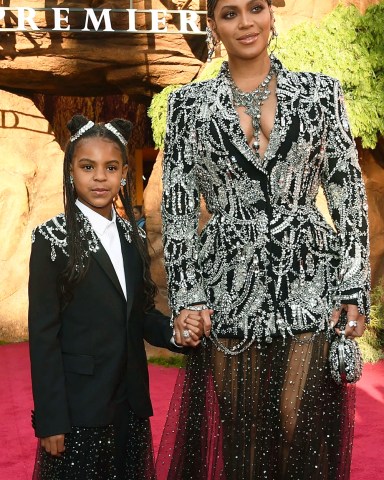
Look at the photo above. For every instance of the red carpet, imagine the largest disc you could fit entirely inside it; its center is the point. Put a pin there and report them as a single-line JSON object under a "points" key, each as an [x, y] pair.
{"points": [[18, 444]]}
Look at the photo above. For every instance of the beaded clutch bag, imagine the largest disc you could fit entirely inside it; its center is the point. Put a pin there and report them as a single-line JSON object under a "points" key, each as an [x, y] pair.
{"points": [[345, 359]]}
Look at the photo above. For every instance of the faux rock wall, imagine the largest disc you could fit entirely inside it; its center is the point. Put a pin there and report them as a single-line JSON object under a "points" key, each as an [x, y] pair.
{"points": [[30, 192]]}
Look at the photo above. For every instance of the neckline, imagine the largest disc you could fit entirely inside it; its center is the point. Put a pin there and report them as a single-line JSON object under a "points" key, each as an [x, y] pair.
{"points": [[257, 159]]}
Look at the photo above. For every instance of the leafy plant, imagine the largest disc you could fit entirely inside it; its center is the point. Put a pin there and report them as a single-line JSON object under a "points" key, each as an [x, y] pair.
{"points": [[350, 47]]}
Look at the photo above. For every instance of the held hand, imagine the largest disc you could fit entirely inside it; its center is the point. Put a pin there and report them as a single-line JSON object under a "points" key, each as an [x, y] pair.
{"points": [[355, 321], [206, 316], [190, 325], [53, 445]]}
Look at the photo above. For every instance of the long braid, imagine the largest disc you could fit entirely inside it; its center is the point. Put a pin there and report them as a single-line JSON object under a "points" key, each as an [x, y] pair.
{"points": [[150, 288], [78, 263]]}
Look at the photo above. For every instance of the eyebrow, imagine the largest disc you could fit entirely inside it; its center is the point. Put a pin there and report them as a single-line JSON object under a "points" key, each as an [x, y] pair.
{"points": [[236, 6], [93, 161]]}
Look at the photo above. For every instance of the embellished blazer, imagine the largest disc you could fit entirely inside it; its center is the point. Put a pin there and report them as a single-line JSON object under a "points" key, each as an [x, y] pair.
{"points": [[267, 262], [90, 355]]}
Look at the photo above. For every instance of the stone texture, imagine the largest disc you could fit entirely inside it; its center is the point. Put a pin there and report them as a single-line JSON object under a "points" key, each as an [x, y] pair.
{"points": [[30, 192], [98, 63]]}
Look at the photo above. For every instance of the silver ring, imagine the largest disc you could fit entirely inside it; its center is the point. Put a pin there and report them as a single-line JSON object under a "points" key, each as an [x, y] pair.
{"points": [[352, 323], [186, 334]]}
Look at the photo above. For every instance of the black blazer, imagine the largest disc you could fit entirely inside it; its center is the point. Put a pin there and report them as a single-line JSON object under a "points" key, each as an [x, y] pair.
{"points": [[267, 262], [88, 357]]}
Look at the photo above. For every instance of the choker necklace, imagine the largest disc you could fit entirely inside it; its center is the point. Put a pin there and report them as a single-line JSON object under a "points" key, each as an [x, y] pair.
{"points": [[252, 102]]}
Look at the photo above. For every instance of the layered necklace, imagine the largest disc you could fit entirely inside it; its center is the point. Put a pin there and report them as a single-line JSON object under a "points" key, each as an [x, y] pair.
{"points": [[252, 102]]}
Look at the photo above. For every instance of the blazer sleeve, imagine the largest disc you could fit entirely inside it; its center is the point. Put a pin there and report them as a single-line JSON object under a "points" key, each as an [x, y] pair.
{"points": [[158, 332], [345, 192], [181, 205], [51, 415]]}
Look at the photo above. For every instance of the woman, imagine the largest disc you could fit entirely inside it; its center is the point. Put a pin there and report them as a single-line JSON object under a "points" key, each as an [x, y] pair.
{"points": [[258, 402]]}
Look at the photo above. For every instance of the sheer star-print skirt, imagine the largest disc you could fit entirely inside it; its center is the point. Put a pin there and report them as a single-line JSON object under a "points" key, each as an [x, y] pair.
{"points": [[272, 413]]}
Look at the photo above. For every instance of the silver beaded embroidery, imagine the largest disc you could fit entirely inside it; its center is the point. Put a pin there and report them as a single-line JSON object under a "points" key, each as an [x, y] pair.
{"points": [[267, 262], [55, 232]]}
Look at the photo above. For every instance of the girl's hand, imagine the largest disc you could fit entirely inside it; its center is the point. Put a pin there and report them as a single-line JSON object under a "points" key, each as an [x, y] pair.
{"points": [[191, 325], [53, 445], [355, 322]]}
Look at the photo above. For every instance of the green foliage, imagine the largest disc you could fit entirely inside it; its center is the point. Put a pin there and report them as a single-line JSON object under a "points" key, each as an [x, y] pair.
{"points": [[210, 70], [349, 46], [176, 360], [372, 342], [157, 112], [345, 45]]}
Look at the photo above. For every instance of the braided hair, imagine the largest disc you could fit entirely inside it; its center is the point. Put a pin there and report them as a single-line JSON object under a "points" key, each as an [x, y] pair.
{"points": [[211, 5], [78, 263]]}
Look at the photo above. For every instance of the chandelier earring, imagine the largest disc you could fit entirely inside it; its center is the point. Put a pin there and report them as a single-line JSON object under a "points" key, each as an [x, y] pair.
{"points": [[211, 44], [272, 38]]}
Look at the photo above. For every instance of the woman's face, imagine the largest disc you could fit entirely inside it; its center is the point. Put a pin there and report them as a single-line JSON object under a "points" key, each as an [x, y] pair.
{"points": [[244, 27]]}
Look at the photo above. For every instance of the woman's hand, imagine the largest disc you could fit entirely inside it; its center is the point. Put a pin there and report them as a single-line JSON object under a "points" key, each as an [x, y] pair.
{"points": [[191, 325], [355, 325], [53, 445]]}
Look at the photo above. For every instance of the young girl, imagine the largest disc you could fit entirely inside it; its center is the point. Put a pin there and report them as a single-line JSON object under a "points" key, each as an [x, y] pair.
{"points": [[90, 306]]}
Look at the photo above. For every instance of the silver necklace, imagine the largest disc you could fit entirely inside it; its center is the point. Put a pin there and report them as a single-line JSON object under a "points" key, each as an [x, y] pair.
{"points": [[252, 102]]}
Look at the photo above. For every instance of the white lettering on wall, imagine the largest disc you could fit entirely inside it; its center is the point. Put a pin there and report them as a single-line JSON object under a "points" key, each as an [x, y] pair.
{"points": [[26, 15], [97, 22], [131, 20], [157, 21], [191, 19], [59, 18]]}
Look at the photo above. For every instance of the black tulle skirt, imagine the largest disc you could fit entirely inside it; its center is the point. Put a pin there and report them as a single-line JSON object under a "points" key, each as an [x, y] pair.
{"points": [[272, 413], [122, 451]]}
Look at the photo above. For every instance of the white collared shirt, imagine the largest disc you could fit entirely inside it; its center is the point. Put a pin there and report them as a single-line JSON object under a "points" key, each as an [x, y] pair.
{"points": [[109, 237]]}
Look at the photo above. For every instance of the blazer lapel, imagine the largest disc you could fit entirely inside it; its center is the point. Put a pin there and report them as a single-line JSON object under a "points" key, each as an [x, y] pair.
{"points": [[102, 258], [98, 252], [225, 119], [132, 263]]}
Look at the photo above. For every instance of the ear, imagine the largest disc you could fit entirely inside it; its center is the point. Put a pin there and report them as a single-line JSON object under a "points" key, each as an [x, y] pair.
{"points": [[272, 18], [212, 26], [125, 170]]}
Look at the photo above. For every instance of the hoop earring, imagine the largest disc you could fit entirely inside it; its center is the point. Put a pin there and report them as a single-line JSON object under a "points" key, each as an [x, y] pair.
{"points": [[211, 44], [123, 182], [273, 37]]}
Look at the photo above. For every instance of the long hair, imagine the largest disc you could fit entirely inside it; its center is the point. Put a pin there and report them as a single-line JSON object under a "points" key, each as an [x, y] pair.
{"points": [[78, 249]]}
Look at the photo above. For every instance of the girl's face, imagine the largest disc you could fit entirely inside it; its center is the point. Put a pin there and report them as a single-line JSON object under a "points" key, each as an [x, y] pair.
{"points": [[136, 213], [244, 27], [97, 169]]}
